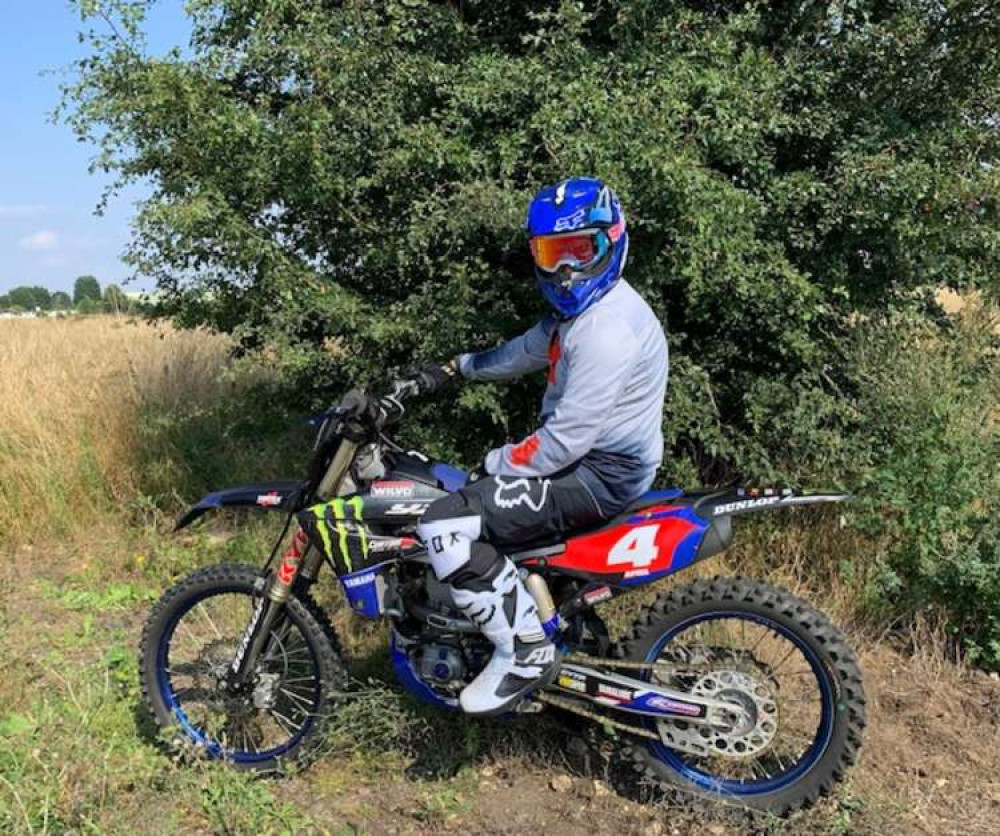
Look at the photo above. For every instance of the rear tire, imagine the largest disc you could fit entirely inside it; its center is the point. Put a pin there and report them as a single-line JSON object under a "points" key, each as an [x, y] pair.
{"points": [[158, 691], [794, 617]]}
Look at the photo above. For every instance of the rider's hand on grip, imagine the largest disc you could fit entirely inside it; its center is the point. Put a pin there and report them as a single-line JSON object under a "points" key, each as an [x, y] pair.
{"points": [[434, 376]]}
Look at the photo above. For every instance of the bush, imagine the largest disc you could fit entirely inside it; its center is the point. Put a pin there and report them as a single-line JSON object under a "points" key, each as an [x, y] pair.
{"points": [[342, 186], [930, 494]]}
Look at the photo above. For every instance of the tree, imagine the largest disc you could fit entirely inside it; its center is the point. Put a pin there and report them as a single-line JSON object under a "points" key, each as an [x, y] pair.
{"points": [[4, 302], [89, 306], [86, 287], [30, 298], [358, 173], [115, 300], [61, 301]]}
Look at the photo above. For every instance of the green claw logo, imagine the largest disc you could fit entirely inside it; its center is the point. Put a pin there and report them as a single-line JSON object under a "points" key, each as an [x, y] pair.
{"points": [[352, 538]]}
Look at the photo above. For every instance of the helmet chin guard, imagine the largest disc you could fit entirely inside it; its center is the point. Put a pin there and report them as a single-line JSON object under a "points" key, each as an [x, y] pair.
{"points": [[579, 242]]}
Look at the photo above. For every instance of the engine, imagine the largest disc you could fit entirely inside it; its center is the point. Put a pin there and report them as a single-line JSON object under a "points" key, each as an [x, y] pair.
{"points": [[439, 663], [438, 596]]}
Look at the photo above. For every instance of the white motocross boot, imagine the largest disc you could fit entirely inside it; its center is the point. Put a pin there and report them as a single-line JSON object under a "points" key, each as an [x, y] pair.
{"points": [[523, 659]]}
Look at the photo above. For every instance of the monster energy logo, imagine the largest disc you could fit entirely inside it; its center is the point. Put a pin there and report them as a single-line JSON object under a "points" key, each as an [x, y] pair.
{"points": [[352, 538]]}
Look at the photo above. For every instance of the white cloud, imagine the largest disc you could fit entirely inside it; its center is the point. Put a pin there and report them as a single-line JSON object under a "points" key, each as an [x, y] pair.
{"points": [[21, 210], [44, 239]]}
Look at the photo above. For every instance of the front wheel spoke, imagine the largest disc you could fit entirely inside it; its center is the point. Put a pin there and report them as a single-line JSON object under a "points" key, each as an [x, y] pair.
{"points": [[192, 669], [298, 699], [285, 655], [300, 679], [199, 696], [201, 608], [764, 633], [286, 725], [188, 635], [247, 740]]}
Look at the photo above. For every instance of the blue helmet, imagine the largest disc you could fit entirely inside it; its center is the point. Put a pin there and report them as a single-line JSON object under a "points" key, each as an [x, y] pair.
{"points": [[579, 243]]}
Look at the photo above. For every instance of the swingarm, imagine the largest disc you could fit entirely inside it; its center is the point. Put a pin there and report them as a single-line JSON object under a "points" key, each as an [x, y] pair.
{"points": [[623, 693]]}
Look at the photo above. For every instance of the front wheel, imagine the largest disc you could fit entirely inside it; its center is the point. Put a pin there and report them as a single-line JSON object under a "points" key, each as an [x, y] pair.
{"points": [[787, 667], [188, 644]]}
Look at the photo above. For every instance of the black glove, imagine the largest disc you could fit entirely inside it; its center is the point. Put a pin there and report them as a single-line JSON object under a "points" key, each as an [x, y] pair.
{"points": [[434, 376]]}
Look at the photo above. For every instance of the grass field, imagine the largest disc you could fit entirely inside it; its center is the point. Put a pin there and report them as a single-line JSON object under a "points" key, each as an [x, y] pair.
{"points": [[106, 427]]}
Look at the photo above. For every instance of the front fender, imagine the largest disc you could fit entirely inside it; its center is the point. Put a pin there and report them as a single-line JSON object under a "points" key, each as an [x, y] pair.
{"points": [[280, 495]]}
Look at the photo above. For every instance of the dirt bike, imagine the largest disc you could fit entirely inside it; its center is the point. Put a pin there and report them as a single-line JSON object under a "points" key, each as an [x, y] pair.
{"points": [[729, 688]]}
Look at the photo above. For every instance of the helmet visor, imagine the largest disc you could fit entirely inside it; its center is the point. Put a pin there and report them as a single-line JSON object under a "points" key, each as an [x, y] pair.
{"points": [[576, 250]]}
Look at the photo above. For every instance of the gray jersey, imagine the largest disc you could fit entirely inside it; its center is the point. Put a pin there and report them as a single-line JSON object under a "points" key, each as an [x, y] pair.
{"points": [[607, 377]]}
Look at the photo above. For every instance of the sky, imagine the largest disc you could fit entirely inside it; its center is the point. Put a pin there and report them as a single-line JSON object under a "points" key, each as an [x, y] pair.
{"points": [[49, 234]]}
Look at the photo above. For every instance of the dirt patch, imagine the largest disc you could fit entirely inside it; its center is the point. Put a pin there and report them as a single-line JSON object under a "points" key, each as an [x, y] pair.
{"points": [[932, 748]]}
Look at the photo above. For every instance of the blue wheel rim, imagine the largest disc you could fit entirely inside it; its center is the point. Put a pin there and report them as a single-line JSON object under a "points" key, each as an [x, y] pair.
{"points": [[824, 731], [212, 747]]}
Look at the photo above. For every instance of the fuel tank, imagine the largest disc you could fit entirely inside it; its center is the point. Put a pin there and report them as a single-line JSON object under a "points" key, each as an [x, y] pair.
{"points": [[411, 483]]}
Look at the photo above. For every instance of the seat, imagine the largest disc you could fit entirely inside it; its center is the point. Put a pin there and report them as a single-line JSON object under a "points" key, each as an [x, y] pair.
{"points": [[556, 541], [652, 498]]}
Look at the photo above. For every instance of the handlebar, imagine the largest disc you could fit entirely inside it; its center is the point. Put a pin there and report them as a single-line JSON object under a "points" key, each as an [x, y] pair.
{"points": [[367, 412]]}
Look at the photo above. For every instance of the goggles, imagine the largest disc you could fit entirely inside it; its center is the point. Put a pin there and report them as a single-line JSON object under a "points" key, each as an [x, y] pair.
{"points": [[577, 250]]}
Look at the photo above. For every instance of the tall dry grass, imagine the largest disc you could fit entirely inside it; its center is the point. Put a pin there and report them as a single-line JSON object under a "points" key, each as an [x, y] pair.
{"points": [[74, 394]]}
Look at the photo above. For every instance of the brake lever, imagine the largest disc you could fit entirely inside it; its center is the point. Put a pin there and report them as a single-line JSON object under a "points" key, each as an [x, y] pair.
{"points": [[392, 404], [405, 388]]}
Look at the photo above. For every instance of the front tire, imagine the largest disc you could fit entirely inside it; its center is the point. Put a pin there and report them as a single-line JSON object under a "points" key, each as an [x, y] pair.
{"points": [[190, 638], [829, 668]]}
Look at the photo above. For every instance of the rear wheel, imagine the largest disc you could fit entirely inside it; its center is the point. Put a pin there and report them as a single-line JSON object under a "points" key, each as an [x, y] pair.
{"points": [[787, 667], [188, 644]]}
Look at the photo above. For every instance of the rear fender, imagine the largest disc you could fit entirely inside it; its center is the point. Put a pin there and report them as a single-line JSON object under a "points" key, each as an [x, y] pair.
{"points": [[738, 502], [720, 508], [280, 495]]}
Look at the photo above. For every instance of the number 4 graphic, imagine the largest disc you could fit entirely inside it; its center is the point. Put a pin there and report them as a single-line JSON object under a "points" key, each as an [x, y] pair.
{"points": [[638, 547]]}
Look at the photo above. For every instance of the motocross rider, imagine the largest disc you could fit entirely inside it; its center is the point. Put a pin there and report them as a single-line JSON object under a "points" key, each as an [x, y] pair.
{"points": [[597, 449]]}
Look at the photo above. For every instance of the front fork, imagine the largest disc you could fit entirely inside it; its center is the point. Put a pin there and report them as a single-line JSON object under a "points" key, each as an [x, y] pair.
{"points": [[298, 560]]}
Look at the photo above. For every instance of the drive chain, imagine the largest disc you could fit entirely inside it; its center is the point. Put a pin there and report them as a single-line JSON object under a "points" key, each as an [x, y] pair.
{"points": [[661, 668], [576, 708]]}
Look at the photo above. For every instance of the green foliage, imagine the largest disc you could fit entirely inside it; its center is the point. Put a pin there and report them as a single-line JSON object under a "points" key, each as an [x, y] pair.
{"points": [[27, 298], [89, 306], [86, 287], [345, 183], [115, 300], [341, 186], [930, 495], [61, 301]]}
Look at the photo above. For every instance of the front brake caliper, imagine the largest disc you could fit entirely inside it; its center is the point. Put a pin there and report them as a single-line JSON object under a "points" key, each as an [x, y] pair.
{"points": [[265, 692]]}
